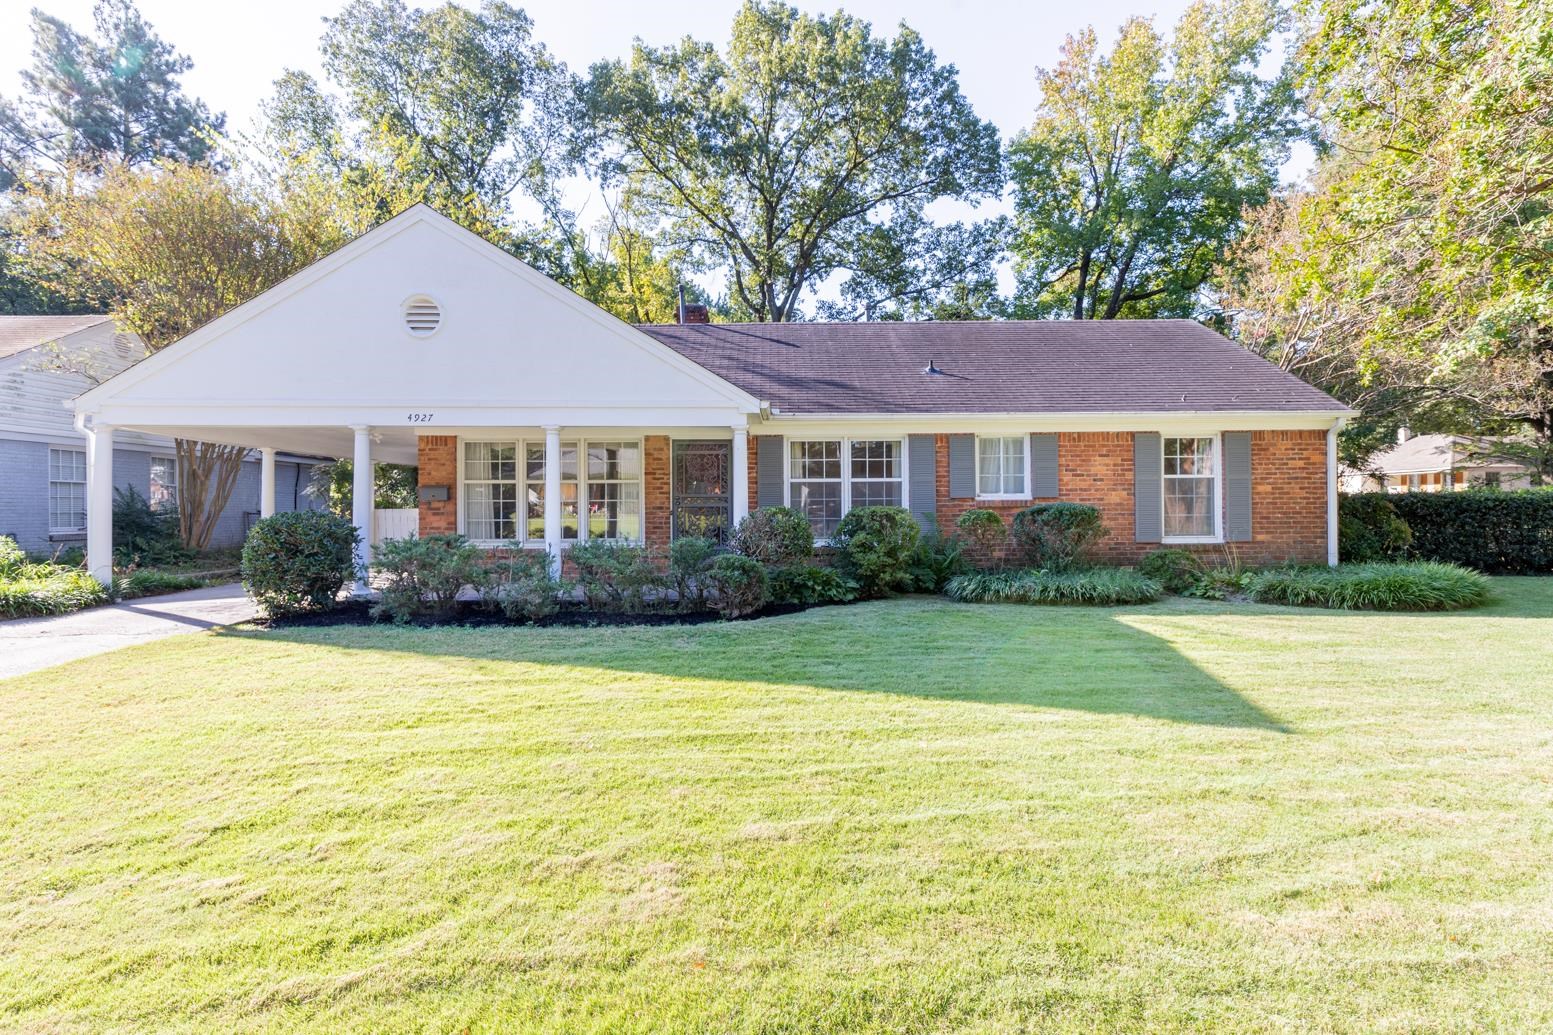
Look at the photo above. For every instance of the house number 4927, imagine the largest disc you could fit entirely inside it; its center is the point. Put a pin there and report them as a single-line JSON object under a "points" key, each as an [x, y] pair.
{"points": [[421, 418]]}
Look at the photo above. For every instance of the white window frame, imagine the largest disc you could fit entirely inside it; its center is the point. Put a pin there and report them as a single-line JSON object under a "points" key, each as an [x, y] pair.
{"points": [[172, 466], [1218, 491], [522, 445], [52, 481], [1002, 495], [521, 520], [846, 468]]}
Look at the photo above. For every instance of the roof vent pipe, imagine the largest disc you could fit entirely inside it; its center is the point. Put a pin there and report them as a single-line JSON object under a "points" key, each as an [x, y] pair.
{"points": [[680, 316], [931, 368]]}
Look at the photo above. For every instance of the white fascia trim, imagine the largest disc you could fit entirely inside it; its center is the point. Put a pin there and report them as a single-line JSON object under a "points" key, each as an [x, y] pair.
{"points": [[1014, 423], [389, 415]]}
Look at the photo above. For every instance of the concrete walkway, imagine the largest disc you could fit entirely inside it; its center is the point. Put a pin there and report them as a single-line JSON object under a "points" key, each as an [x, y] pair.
{"points": [[28, 644]]}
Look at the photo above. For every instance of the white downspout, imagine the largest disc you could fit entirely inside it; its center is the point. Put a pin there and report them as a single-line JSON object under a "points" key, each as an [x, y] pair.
{"points": [[1332, 494]]}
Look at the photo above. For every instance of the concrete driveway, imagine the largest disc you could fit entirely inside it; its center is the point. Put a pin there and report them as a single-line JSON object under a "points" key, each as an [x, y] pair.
{"points": [[28, 644]]}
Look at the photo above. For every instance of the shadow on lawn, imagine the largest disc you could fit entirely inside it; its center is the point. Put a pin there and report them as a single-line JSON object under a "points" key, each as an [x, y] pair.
{"points": [[1082, 659]]}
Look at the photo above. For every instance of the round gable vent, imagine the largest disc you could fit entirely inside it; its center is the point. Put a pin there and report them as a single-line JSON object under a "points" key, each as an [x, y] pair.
{"points": [[422, 316]]}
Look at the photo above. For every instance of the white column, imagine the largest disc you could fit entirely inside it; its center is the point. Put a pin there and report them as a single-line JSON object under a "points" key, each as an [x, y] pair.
{"points": [[1332, 496], [361, 502], [99, 503], [741, 473], [553, 494], [266, 482]]}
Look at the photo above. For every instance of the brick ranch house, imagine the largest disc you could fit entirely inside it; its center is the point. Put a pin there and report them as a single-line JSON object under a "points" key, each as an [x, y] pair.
{"points": [[536, 418]]}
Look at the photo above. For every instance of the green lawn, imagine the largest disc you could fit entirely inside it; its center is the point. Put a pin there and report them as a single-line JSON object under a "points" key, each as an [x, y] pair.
{"points": [[910, 815]]}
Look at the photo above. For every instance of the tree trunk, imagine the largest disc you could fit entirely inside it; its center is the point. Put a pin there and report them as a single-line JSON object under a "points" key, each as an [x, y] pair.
{"points": [[207, 474]]}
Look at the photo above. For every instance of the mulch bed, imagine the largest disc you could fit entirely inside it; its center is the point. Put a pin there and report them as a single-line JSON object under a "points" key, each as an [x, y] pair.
{"points": [[471, 615]]}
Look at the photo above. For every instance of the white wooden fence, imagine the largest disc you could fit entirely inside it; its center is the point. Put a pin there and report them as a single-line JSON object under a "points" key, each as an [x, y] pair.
{"points": [[395, 524]]}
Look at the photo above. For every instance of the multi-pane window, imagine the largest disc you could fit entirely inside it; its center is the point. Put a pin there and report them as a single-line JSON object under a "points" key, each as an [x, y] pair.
{"points": [[67, 490], [534, 490], [614, 490], [164, 483], [1000, 466], [491, 490], [1189, 490], [504, 490], [876, 473], [815, 484]]}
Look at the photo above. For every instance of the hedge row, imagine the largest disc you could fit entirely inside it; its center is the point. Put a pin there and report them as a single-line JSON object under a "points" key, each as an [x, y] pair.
{"points": [[1503, 533]]}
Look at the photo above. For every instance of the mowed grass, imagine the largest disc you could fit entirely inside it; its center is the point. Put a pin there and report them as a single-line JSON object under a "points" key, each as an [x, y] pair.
{"points": [[910, 815]]}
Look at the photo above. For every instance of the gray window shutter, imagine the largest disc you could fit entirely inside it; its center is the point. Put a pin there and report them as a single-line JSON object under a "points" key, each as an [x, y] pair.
{"points": [[1043, 466], [1237, 486], [962, 466], [1147, 478], [922, 479], [770, 471]]}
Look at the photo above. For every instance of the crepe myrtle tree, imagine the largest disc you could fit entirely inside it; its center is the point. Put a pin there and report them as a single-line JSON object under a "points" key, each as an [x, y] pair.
{"points": [[778, 157]]}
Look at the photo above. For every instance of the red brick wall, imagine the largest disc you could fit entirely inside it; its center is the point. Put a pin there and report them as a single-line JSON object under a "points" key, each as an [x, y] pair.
{"points": [[1288, 495], [656, 490], [438, 459], [753, 454]]}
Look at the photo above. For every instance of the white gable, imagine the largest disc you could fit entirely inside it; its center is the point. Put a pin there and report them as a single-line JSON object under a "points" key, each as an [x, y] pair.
{"points": [[511, 346]]}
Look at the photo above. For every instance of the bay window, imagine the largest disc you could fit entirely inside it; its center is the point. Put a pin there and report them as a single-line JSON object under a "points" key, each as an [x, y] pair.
{"points": [[1191, 488], [503, 495], [828, 477], [1002, 467]]}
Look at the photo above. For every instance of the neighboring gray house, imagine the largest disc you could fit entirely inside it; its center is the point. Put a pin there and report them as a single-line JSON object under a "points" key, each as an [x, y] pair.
{"points": [[46, 361], [1435, 463]]}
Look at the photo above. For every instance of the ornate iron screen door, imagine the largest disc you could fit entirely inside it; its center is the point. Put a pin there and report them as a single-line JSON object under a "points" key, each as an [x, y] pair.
{"points": [[702, 476]]}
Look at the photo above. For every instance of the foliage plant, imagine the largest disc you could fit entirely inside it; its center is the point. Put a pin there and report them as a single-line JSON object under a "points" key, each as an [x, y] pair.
{"points": [[1370, 529], [28, 589], [774, 535], [1098, 586], [875, 547], [987, 532], [146, 582], [298, 561], [1413, 586], [615, 576], [521, 586], [423, 575], [1056, 536], [142, 535], [936, 559], [739, 585], [810, 584], [689, 558], [1178, 571], [1503, 533]]}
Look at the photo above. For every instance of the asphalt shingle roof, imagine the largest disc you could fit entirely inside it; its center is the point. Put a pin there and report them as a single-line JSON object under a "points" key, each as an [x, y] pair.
{"points": [[1026, 366], [20, 333]]}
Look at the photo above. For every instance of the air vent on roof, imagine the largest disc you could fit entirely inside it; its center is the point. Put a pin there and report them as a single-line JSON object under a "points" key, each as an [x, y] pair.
{"points": [[422, 316]]}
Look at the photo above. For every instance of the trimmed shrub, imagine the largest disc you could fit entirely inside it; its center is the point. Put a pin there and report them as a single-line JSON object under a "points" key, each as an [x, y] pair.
{"points": [[1098, 586], [615, 576], [1504, 533], [809, 584], [521, 586], [424, 575], [774, 535], [987, 533], [739, 585], [937, 559], [1176, 570], [148, 582], [28, 590], [689, 558], [876, 546], [1056, 536], [1416, 586], [142, 536], [298, 561], [1370, 529]]}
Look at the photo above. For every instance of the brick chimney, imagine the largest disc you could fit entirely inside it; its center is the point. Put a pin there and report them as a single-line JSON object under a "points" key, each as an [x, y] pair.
{"points": [[693, 312]]}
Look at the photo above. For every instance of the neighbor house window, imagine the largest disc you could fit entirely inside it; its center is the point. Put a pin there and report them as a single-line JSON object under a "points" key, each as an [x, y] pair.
{"points": [[534, 490], [1191, 489], [1001, 467], [876, 473], [614, 490], [164, 483], [828, 477], [67, 490]]}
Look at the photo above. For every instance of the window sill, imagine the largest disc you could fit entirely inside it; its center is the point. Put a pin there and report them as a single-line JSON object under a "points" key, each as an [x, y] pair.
{"points": [[1004, 499], [1192, 540]]}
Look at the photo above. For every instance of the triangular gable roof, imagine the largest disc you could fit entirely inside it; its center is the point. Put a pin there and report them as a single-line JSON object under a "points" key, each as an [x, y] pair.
{"points": [[141, 379]]}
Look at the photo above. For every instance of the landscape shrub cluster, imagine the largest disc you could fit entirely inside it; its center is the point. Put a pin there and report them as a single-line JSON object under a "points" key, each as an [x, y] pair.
{"points": [[298, 561], [1415, 586], [1502, 533], [29, 588], [1100, 586]]}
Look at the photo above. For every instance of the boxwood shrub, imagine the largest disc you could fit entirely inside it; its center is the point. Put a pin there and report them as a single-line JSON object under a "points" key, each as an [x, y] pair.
{"points": [[739, 585], [774, 535], [423, 575], [1504, 533], [876, 546], [298, 561], [1370, 529], [1415, 586], [1056, 536], [1102, 586]]}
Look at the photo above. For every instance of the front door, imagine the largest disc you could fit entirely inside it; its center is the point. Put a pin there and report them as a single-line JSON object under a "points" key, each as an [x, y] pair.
{"points": [[702, 479]]}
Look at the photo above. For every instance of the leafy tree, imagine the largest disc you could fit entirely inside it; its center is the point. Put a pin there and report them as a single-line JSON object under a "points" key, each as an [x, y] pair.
{"points": [[1132, 181], [625, 271], [395, 486], [167, 249], [781, 158], [114, 97]]}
